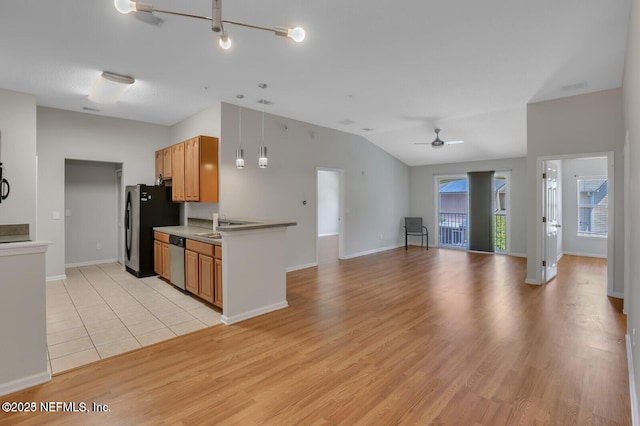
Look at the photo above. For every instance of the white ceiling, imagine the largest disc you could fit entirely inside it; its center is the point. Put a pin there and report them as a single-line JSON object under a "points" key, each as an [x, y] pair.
{"points": [[401, 68]]}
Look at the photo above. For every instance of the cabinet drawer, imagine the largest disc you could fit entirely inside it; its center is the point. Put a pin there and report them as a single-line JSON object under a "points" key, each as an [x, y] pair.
{"points": [[218, 252], [160, 236], [198, 247]]}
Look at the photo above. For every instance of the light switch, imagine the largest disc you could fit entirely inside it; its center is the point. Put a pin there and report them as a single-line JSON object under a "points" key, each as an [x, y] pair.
{"points": [[56, 215]]}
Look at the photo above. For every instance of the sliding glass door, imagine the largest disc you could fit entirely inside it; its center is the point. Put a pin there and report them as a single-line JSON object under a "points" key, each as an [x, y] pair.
{"points": [[453, 211]]}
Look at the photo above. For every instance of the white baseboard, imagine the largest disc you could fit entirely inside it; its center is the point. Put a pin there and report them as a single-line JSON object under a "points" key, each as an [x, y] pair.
{"points": [[617, 295], [632, 384], [328, 235], [518, 254], [304, 266], [367, 252], [56, 278], [253, 313], [576, 253], [91, 263], [25, 382], [532, 281]]}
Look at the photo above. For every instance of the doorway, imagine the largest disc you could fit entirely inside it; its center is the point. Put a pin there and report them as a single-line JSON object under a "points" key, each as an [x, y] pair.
{"points": [[329, 226], [577, 206]]}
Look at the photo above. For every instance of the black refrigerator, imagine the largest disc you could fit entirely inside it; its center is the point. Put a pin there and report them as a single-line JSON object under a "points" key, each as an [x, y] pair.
{"points": [[146, 207]]}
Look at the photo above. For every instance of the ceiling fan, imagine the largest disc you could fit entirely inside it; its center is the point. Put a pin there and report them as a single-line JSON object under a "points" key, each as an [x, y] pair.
{"points": [[437, 142]]}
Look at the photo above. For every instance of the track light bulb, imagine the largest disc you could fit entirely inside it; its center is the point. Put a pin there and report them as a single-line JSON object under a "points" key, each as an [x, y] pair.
{"points": [[297, 34], [225, 42], [125, 6]]}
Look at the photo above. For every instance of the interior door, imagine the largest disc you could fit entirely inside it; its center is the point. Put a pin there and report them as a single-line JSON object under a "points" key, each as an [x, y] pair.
{"points": [[550, 219]]}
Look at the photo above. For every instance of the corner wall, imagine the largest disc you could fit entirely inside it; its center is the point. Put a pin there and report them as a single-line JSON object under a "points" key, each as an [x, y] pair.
{"points": [[631, 96], [79, 136], [376, 184]]}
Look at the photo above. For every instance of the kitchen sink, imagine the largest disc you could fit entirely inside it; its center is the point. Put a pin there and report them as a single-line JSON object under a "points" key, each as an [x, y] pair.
{"points": [[214, 235]]}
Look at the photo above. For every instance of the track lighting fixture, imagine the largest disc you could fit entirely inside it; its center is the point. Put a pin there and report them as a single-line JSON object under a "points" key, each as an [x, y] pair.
{"points": [[296, 34]]}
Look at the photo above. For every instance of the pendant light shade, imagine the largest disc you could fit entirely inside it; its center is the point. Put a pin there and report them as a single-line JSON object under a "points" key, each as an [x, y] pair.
{"points": [[263, 161], [239, 151], [240, 158]]}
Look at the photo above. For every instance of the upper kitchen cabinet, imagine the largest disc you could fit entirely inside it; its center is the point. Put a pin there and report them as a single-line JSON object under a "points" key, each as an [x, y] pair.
{"points": [[163, 163], [177, 162], [201, 169]]}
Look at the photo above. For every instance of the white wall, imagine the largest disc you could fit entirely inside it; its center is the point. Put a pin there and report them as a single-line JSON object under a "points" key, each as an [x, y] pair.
{"points": [[376, 184], [631, 95], [422, 194], [73, 135], [18, 156], [90, 212], [571, 242], [584, 124], [205, 123], [328, 202]]}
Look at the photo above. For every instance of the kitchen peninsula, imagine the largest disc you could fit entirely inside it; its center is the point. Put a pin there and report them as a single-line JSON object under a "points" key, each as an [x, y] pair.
{"points": [[253, 267]]}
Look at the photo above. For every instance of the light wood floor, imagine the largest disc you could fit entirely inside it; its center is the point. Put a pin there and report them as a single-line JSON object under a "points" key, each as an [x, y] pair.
{"points": [[416, 337]]}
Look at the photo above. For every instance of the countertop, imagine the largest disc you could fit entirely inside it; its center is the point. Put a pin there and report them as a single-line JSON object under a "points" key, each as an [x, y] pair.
{"points": [[190, 232], [226, 225]]}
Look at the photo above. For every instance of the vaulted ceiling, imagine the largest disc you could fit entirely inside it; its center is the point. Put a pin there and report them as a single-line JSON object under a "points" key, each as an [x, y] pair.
{"points": [[397, 69]]}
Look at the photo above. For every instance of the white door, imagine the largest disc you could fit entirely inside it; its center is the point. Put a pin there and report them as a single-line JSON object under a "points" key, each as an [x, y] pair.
{"points": [[550, 219]]}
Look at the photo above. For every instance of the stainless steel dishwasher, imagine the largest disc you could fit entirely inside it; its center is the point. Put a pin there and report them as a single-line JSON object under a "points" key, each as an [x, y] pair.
{"points": [[176, 254]]}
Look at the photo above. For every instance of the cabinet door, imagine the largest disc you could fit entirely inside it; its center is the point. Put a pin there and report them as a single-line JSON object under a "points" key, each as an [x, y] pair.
{"points": [[205, 268], [217, 295], [166, 163], [192, 170], [166, 261], [159, 164], [177, 171], [157, 257], [191, 271]]}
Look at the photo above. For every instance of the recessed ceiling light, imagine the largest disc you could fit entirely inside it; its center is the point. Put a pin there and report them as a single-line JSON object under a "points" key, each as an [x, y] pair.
{"points": [[240, 96], [367, 129], [262, 85], [265, 102], [91, 109], [109, 87]]}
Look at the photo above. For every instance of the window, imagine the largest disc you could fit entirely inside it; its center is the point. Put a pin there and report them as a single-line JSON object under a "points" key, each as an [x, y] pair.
{"points": [[593, 206]]}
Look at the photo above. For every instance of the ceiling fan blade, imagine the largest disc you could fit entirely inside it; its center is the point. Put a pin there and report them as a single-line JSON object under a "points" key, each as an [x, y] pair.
{"points": [[453, 142]]}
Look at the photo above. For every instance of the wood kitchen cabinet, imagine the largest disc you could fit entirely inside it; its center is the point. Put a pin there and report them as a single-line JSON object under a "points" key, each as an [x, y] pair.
{"points": [[163, 163], [177, 162], [203, 271], [201, 169], [161, 255]]}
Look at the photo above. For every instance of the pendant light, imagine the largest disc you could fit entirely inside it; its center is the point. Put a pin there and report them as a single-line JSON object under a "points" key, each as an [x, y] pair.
{"points": [[263, 161], [239, 151]]}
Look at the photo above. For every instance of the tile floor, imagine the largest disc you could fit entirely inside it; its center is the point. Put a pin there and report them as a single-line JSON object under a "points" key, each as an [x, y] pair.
{"points": [[101, 310]]}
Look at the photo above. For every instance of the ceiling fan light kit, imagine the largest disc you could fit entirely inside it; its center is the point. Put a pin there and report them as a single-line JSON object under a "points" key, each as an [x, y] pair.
{"points": [[296, 34]]}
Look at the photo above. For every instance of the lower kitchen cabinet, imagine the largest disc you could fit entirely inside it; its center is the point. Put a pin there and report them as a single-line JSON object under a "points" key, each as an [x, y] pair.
{"points": [[203, 271], [191, 271], [217, 299], [161, 255], [205, 268]]}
